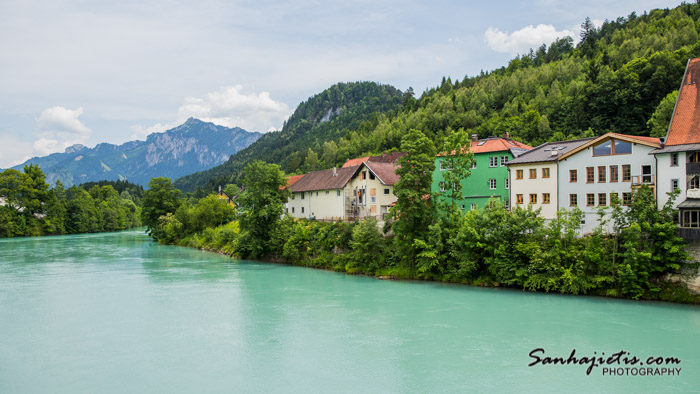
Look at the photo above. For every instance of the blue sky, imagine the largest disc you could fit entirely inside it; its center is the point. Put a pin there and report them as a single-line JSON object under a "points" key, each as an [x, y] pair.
{"points": [[97, 71]]}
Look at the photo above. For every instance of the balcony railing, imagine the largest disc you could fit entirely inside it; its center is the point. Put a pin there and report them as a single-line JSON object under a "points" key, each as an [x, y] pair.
{"points": [[692, 168], [689, 233], [638, 180]]}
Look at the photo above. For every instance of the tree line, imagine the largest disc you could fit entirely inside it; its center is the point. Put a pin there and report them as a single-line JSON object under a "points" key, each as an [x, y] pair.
{"points": [[28, 207]]}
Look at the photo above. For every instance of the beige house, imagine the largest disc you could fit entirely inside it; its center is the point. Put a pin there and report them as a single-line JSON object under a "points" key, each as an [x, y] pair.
{"points": [[347, 193]]}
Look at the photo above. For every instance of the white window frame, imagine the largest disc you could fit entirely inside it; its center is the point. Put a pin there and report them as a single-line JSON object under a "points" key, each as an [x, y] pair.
{"points": [[504, 160], [507, 183], [493, 161], [492, 184]]}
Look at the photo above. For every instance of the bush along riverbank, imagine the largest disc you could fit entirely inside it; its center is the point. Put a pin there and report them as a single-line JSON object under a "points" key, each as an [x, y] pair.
{"points": [[486, 247]]}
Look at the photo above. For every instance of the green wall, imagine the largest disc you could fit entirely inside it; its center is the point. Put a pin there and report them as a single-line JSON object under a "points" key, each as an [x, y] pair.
{"points": [[476, 188]]}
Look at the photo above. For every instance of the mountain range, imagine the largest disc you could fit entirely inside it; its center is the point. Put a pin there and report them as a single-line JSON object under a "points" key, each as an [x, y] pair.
{"points": [[193, 146]]}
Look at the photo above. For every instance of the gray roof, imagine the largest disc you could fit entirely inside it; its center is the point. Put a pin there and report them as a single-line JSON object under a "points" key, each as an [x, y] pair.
{"points": [[690, 203], [676, 148], [544, 152]]}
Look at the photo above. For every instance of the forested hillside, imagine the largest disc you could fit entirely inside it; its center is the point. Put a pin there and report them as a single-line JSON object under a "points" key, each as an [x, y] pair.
{"points": [[309, 138], [622, 77]]}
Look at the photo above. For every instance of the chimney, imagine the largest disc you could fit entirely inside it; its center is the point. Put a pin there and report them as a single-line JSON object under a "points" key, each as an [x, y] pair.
{"points": [[219, 189], [506, 135], [475, 137], [335, 171]]}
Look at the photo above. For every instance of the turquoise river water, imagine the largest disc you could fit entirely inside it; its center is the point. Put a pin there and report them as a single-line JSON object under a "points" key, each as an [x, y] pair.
{"points": [[117, 313]]}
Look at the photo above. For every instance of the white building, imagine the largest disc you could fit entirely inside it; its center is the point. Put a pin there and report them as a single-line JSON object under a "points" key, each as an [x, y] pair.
{"points": [[534, 176], [590, 174], [678, 159], [347, 193]]}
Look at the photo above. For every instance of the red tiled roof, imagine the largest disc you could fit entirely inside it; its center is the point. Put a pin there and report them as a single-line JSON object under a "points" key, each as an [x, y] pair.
{"points": [[291, 180], [493, 144], [685, 123], [386, 172], [355, 162], [324, 180]]}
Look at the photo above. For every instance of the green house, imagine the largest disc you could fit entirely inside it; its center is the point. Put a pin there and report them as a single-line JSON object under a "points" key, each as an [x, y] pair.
{"points": [[489, 177]]}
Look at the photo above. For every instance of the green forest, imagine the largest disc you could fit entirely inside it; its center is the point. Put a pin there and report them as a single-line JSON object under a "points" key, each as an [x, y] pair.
{"points": [[621, 77], [30, 208]]}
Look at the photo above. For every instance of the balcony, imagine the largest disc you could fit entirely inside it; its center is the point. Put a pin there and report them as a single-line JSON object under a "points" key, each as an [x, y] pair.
{"points": [[639, 180], [692, 168]]}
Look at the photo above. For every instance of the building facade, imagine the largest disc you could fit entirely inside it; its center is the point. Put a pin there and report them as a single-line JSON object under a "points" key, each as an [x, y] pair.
{"points": [[678, 159], [534, 176], [612, 164], [489, 176]]}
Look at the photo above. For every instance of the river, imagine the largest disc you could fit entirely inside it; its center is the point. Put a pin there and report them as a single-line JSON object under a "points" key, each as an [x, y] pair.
{"points": [[116, 313]]}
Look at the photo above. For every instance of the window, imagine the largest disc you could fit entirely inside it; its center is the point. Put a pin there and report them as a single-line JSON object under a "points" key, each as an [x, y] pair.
{"points": [[364, 175], [533, 198], [573, 176], [386, 191], [603, 149], [507, 183], [601, 174], [613, 174], [519, 198], [626, 198], [545, 198], [614, 198], [674, 184], [626, 173], [519, 174], [590, 199], [293, 194], [493, 161], [612, 147], [442, 186], [602, 199], [533, 173], [545, 173], [504, 160], [506, 203], [374, 199], [474, 164], [573, 200], [473, 207], [316, 194], [337, 192], [622, 148], [694, 157], [674, 159], [463, 207], [302, 209], [694, 183], [442, 165], [327, 191], [590, 176], [492, 184], [292, 209], [690, 218], [303, 194], [371, 176]]}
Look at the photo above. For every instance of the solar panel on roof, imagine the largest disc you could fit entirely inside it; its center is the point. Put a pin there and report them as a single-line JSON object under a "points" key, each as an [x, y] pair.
{"points": [[481, 143]]}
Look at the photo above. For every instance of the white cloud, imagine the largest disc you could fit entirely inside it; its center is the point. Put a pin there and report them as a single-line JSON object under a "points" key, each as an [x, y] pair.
{"points": [[230, 107], [58, 128], [522, 40], [141, 132]]}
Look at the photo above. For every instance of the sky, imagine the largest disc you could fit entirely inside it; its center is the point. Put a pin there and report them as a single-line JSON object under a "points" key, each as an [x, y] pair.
{"points": [[87, 72]]}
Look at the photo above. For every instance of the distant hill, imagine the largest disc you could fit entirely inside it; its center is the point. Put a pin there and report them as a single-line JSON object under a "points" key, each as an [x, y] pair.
{"points": [[307, 140], [192, 146]]}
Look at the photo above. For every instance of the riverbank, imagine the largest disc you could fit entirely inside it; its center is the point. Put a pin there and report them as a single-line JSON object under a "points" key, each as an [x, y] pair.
{"points": [[220, 240]]}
